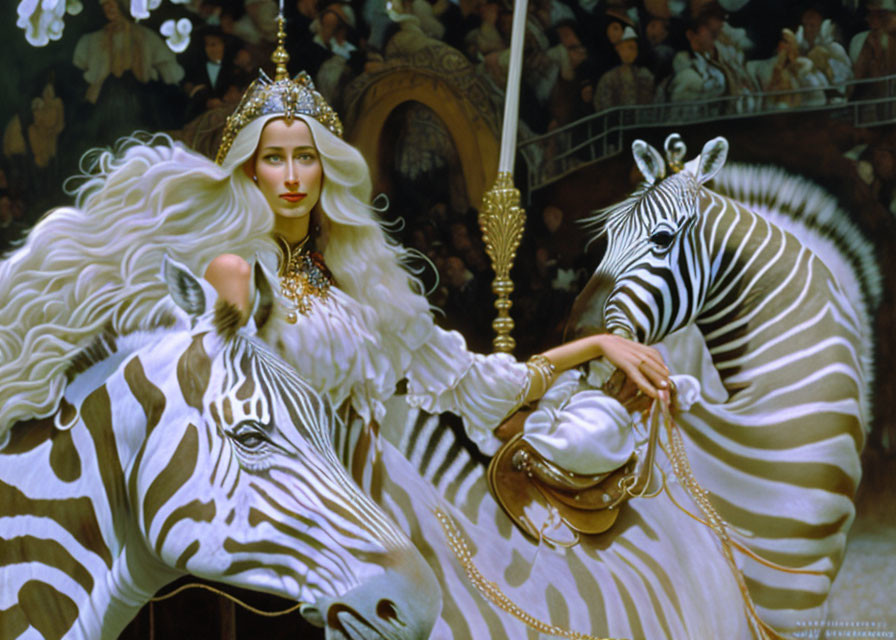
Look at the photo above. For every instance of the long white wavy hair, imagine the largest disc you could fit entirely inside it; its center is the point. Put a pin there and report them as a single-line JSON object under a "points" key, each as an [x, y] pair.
{"points": [[94, 266]]}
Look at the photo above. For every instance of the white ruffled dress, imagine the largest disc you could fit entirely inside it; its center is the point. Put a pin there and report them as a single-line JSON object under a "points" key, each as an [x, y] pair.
{"points": [[337, 348]]}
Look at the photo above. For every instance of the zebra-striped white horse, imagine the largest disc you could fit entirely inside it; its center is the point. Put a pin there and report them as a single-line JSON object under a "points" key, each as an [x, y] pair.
{"points": [[784, 296], [193, 449], [774, 439], [658, 573]]}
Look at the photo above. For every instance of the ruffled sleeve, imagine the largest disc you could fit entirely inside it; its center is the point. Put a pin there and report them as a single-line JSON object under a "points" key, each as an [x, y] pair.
{"points": [[443, 375]]}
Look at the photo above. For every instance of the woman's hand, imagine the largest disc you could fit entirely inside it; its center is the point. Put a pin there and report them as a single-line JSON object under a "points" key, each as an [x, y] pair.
{"points": [[643, 366]]}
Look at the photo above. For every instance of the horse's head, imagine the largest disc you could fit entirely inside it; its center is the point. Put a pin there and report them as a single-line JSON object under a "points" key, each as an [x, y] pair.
{"points": [[649, 282], [236, 478]]}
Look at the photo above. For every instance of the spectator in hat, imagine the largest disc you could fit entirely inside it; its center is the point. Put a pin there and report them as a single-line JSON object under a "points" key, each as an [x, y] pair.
{"points": [[877, 56], [626, 84], [817, 40], [608, 34], [714, 66]]}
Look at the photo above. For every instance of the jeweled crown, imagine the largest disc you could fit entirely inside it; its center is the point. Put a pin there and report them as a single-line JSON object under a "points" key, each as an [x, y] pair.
{"points": [[280, 96]]}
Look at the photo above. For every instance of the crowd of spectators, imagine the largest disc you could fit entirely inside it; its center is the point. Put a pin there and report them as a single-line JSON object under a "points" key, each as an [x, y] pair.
{"points": [[581, 57]]}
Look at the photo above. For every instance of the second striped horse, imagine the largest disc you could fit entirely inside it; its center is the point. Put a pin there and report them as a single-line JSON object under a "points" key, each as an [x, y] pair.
{"points": [[781, 289], [191, 448]]}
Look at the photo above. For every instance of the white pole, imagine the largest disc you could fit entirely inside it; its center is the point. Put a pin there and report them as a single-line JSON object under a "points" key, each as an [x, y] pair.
{"points": [[501, 219], [512, 91]]}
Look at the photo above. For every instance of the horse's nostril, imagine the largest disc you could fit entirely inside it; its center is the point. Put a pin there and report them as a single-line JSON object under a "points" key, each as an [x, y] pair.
{"points": [[387, 610]]}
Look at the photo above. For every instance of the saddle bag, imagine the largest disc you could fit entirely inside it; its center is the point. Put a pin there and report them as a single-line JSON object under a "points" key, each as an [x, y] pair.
{"points": [[557, 506]]}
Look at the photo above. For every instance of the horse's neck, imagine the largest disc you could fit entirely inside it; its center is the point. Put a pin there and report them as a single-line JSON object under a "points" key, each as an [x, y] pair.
{"points": [[67, 496], [765, 286]]}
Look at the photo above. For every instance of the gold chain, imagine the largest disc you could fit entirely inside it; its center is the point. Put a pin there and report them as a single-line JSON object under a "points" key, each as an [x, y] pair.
{"points": [[248, 607], [303, 278], [681, 467], [492, 592]]}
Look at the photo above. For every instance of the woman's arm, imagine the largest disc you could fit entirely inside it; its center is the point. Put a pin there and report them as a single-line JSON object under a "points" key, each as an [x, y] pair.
{"points": [[642, 365]]}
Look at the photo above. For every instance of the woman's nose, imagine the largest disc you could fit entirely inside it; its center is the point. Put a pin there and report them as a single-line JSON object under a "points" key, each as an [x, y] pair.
{"points": [[292, 176]]}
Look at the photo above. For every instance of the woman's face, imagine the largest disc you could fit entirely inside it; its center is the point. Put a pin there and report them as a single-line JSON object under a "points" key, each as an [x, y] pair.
{"points": [[289, 174]]}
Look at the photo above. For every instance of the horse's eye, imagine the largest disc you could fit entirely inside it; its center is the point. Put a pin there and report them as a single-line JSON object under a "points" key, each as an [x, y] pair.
{"points": [[248, 436], [661, 238]]}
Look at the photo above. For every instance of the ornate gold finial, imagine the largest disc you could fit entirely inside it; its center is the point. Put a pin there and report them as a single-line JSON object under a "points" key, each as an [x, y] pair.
{"points": [[675, 151], [502, 222], [280, 57]]}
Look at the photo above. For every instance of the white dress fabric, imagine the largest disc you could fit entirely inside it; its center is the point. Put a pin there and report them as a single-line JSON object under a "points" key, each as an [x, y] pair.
{"points": [[579, 427], [338, 349], [582, 429]]}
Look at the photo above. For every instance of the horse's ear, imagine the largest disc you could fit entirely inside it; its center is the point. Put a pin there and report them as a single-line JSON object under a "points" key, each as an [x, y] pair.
{"points": [[185, 288], [264, 294], [649, 161], [712, 159]]}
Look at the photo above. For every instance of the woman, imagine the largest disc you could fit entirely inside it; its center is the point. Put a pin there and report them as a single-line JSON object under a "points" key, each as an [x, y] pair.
{"points": [[352, 321]]}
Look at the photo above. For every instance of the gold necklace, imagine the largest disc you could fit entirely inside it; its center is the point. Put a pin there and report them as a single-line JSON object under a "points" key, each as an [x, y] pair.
{"points": [[304, 277]]}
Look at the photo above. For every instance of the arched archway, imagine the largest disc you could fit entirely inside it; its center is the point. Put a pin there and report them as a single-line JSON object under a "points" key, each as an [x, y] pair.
{"points": [[473, 128]]}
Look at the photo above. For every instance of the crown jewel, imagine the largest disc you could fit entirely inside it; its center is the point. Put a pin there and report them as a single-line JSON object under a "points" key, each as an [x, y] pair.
{"points": [[281, 96]]}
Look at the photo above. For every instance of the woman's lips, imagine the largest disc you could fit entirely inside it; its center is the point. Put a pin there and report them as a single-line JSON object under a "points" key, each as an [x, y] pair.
{"points": [[293, 197]]}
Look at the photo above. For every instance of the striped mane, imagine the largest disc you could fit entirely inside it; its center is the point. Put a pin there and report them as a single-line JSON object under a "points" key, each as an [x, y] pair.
{"points": [[108, 343], [809, 212], [102, 347], [596, 223], [812, 214]]}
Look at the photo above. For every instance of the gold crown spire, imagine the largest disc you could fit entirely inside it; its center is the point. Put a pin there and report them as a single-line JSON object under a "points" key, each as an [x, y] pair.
{"points": [[280, 57], [280, 96]]}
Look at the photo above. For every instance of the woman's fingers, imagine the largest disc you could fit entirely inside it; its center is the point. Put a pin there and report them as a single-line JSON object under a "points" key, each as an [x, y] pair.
{"points": [[643, 382], [632, 398], [643, 366], [653, 357]]}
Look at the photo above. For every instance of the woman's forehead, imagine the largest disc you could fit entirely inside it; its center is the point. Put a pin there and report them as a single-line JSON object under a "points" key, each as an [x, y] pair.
{"points": [[280, 133]]}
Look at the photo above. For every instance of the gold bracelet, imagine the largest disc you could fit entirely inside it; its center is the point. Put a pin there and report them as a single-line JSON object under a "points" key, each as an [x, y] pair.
{"points": [[541, 364]]}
